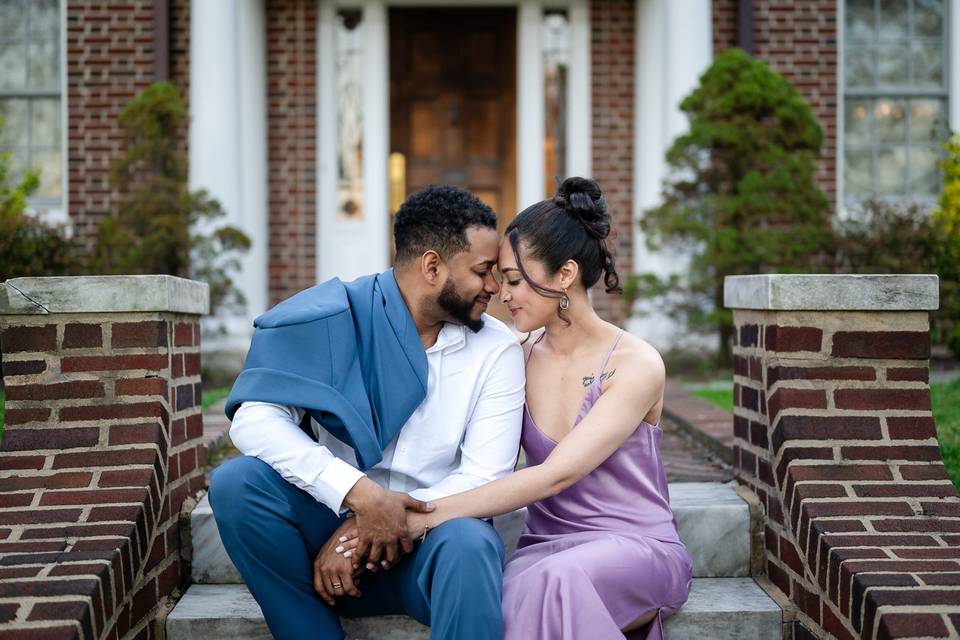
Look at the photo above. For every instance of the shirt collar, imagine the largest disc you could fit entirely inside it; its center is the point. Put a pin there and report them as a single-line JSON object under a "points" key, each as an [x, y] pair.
{"points": [[451, 338]]}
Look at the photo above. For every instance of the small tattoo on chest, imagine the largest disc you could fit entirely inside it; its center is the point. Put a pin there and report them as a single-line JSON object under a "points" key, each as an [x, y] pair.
{"points": [[588, 380]]}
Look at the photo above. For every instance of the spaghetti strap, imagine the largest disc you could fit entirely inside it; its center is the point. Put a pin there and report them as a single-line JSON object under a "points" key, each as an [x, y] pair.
{"points": [[603, 367]]}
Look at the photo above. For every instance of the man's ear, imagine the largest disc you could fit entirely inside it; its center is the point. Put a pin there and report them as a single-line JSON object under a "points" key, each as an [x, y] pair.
{"points": [[569, 271], [432, 268]]}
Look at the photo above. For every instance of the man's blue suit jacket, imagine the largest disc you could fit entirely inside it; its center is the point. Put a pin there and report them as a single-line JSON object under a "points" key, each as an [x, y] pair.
{"points": [[347, 353]]}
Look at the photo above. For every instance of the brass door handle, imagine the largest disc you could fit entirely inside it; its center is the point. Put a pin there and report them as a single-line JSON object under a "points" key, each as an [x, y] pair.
{"points": [[397, 168]]}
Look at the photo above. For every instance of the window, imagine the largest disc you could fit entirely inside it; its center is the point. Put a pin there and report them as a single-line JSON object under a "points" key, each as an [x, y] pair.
{"points": [[30, 101], [556, 63], [895, 98]]}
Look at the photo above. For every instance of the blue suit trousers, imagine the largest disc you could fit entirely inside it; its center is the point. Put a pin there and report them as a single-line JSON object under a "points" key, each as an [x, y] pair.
{"points": [[272, 530]]}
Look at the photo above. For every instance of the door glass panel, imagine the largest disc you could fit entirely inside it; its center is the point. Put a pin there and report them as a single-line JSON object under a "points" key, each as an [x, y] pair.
{"points": [[556, 65]]}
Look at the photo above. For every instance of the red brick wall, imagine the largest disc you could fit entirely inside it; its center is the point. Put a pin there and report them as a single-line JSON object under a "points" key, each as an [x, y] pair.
{"points": [[291, 135], [799, 40], [833, 432], [109, 60], [102, 443], [612, 52]]}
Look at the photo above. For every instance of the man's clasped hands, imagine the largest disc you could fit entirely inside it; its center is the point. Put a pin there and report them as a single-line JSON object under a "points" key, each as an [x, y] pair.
{"points": [[384, 525]]}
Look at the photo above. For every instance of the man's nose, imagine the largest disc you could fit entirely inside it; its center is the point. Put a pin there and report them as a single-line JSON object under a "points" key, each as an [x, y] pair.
{"points": [[491, 285]]}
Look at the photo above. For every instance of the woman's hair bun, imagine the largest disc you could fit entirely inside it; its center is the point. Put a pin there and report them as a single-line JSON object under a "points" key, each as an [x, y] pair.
{"points": [[582, 198]]}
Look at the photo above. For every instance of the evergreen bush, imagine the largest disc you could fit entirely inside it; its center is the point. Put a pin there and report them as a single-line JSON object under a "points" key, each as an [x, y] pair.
{"points": [[158, 224], [741, 197]]}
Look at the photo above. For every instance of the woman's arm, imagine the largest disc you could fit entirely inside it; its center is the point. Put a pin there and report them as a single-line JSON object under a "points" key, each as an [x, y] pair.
{"points": [[616, 414]]}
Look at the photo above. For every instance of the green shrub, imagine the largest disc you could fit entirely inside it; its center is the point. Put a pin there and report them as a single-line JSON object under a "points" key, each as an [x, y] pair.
{"points": [[159, 225], [28, 246], [742, 196]]}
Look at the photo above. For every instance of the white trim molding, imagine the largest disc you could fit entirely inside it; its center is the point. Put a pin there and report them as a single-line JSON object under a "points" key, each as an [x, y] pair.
{"points": [[579, 160], [530, 111], [350, 248]]}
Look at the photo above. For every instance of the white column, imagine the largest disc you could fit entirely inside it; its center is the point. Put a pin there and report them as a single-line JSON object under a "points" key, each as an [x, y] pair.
{"points": [[953, 64], [674, 46], [326, 139], [253, 214], [579, 160], [228, 139], [376, 136], [530, 117]]}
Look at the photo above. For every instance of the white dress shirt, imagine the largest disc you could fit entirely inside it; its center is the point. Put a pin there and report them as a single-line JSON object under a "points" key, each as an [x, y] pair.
{"points": [[466, 432]]}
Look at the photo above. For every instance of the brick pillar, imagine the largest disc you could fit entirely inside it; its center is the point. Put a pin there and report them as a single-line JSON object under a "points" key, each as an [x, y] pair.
{"points": [[612, 25], [834, 434], [102, 443]]}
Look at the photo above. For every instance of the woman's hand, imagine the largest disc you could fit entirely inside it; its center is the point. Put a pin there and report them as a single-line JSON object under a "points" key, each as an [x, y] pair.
{"points": [[334, 575], [417, 525]]}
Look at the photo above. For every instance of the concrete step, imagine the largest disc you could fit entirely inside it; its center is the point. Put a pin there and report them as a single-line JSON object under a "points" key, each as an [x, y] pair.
{"points": [[714, 523], [718, 608]]}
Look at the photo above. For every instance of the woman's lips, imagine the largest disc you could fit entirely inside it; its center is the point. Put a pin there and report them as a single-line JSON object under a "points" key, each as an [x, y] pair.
{"points": [[514, 311]]}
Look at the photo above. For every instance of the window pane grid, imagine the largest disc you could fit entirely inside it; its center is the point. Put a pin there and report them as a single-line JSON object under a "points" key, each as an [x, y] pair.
{"points": [[895, 97], [29, 93]]}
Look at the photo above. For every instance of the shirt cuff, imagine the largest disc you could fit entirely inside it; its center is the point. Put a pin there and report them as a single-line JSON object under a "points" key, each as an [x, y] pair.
{"points": [[335, 482], [426, 494]]}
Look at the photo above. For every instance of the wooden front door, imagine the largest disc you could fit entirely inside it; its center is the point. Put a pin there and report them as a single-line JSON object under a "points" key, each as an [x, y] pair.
{"points": [[453, 100]]}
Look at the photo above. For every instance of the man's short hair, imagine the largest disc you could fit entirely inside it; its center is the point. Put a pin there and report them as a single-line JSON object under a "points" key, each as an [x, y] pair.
{"points": [[437, 217]]}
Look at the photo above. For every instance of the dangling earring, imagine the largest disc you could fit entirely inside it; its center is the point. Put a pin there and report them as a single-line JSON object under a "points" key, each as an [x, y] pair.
{"points": [[564, 302]]}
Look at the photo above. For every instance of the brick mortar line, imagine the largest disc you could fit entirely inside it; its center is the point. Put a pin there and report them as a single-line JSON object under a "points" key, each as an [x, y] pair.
{"points": [[98, 449], [850, 413], [834, 444]]}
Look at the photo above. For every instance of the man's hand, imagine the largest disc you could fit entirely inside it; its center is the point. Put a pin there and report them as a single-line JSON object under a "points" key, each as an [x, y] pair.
{"points": [[417, 526], [334, 575], [382, 521]]}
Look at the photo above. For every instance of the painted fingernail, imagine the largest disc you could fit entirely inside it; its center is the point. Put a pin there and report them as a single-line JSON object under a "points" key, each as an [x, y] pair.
{"points": [[370, 565], [343, 539], [339, 549], [348, 554], [384, 564]]}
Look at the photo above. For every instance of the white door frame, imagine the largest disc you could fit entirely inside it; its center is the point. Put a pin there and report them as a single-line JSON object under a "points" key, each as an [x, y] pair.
{"points": [[350, 248]]}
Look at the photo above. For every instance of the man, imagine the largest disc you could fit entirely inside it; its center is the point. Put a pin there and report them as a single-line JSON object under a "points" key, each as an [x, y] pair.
{"points": [[359, 401]]}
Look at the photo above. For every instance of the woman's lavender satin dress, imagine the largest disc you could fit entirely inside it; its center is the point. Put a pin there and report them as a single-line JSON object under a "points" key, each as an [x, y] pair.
{"points": [[600, 554]]}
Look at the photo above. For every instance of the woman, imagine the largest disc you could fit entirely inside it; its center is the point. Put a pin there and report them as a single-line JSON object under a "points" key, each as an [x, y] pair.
{"points": [[600, 554]]}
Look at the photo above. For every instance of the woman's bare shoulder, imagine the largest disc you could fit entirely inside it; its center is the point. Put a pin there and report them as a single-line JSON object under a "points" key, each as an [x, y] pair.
{"points": [[638, 359]]}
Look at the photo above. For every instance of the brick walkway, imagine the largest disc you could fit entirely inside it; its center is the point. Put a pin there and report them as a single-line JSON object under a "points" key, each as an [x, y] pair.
{"points": [[709, 425], [685, 459]]}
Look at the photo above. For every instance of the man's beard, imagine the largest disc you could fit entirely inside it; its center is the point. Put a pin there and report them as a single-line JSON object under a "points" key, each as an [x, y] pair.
{"points": [[458, 308]]}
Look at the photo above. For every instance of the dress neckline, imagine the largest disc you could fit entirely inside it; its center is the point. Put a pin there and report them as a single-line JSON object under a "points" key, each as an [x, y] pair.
{"points": [[593, 391]]}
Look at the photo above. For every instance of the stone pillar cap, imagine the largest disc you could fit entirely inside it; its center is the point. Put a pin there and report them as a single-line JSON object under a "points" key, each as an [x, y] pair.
{"points": [[103, 294], [815, 292]]}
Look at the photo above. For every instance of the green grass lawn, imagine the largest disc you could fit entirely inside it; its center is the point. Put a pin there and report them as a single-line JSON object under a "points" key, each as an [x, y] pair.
{"points": [[723, 398], [946, 412], [213, 396]]}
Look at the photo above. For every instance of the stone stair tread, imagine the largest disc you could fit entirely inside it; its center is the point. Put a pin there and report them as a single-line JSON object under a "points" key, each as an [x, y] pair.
{"points": [[718, 608], [714, 523]]}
